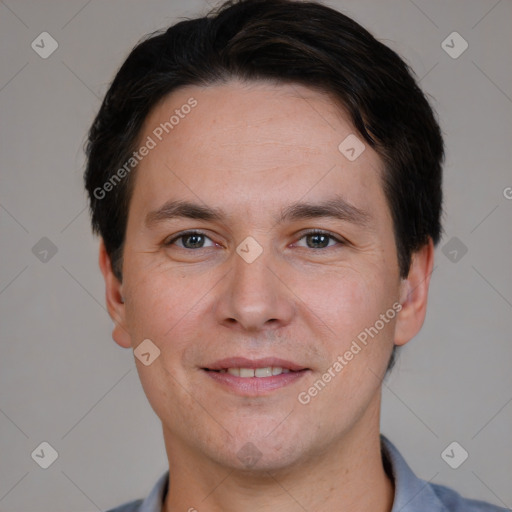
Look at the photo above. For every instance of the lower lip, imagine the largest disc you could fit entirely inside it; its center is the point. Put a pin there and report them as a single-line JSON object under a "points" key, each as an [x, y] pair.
{"points": [[253, 386]]}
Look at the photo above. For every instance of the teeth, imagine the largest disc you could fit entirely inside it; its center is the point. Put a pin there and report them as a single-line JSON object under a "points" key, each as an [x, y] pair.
{"points": [[268, 371], [246, 372], [263, 372]]}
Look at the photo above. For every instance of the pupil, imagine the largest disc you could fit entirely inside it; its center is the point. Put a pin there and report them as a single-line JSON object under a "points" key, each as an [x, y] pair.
{"points": [[319, 236], [196, 243]]}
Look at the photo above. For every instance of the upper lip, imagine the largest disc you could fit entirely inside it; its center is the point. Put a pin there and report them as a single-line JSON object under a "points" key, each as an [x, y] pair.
{"points": [[264, 362]]}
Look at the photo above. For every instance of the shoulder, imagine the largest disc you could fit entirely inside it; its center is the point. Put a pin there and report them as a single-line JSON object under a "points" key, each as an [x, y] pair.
{"points": [[413, 494], [132, 506], [454, 502], [153, 501]]}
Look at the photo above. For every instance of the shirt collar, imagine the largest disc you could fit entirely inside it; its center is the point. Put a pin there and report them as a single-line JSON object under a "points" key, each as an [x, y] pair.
{"points": [[155, 499], [411, 493]]}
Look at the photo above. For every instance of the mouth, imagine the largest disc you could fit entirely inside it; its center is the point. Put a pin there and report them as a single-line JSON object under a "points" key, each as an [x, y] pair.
{"points": [[255, 377], [247, 373]]}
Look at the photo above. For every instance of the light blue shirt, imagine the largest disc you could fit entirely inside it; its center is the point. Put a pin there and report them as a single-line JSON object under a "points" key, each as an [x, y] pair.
{"points": [[411, 493]]}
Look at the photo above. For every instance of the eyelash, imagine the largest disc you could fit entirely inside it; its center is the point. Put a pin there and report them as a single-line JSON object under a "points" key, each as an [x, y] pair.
{"points": [[311, 232]]}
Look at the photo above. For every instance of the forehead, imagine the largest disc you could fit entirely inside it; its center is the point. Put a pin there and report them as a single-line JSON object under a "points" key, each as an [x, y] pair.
{"points": [[256, 141], [288, 119]]}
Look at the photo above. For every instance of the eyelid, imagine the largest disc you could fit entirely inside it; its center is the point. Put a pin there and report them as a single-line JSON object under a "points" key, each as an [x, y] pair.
{"points": [[170, 240], [303, 234], [315, 231]]}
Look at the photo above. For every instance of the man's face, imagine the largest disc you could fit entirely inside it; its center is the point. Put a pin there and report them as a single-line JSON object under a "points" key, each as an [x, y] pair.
{"points": [[249, 152]]}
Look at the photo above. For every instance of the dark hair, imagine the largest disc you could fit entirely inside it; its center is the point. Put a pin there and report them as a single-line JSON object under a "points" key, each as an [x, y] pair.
{"points": [[285, 41]]}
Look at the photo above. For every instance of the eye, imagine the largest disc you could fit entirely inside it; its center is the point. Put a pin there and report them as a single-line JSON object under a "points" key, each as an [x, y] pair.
{"points": [[317, 239], [190, 240]]}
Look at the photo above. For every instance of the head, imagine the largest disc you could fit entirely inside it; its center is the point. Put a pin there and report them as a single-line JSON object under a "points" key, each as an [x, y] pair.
{"points": [[274, 118]]}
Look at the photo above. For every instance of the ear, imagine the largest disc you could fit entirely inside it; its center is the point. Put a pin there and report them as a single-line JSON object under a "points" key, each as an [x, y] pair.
{"points": [[414, 295], [114, 298]]}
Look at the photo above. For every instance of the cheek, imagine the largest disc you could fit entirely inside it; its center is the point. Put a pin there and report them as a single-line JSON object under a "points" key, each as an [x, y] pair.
{"points": [[351, 307], [167, 310], [346, 301], [161, 303]]}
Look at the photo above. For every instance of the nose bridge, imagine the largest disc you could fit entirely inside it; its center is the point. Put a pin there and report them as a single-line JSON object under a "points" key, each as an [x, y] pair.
{"points": [[254, 296]]}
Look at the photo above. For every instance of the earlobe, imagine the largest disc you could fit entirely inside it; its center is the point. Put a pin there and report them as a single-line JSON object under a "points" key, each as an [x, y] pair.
{"points": [[114, 299], [414, 295]]}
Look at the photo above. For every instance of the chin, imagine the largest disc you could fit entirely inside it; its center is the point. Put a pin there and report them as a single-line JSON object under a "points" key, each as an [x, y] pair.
{"points": [[260, 451], [259, 461]]}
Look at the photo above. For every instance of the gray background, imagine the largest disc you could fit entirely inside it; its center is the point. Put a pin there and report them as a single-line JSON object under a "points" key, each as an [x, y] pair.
{"points": [[64, 381]]}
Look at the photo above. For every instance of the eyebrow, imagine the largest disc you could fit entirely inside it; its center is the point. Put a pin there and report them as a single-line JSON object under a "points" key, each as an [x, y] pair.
{"points": [[337, 208]]}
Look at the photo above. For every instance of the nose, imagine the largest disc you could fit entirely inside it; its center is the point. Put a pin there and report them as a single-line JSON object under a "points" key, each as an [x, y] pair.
{"points": [[256, 295]]}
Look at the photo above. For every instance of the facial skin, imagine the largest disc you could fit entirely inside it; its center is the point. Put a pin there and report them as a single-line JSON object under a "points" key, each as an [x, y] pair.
{"points": [[251, 150]]}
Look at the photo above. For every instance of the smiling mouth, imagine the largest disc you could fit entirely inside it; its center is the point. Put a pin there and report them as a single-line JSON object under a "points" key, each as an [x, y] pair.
{"points": [[254, 377], [247, 373]]}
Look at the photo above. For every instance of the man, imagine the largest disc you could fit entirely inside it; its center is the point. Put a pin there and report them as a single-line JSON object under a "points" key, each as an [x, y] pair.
{"points": [[266, 182]]}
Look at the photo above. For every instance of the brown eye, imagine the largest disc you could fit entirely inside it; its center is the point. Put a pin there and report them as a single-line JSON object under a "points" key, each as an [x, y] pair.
{"points": [[189, 240], [320, 239]]}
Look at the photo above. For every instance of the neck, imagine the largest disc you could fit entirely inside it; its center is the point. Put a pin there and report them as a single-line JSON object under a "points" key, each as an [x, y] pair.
{"points": [[347, 477]]}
